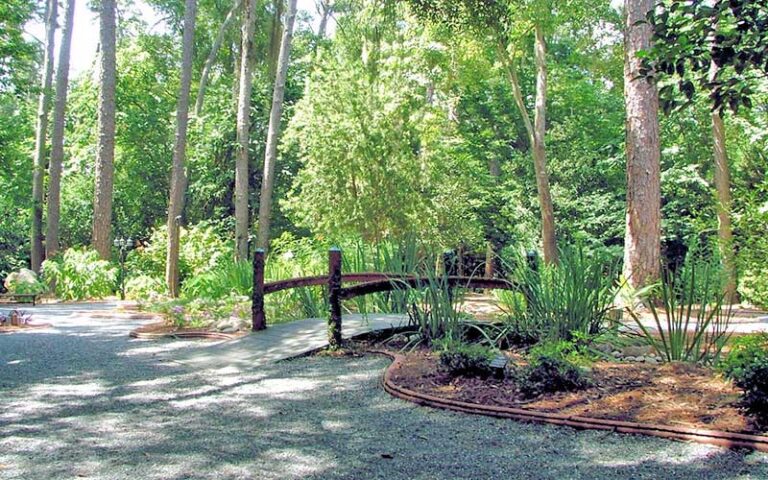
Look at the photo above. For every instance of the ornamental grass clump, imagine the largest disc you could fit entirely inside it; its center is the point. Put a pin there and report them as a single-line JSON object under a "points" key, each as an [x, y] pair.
{"points": [[692, 325], [557, 302]]}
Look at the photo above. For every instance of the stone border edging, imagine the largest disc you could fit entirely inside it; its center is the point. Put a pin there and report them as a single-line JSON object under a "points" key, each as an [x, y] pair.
{"points": [[186, 334], [711, 437]]}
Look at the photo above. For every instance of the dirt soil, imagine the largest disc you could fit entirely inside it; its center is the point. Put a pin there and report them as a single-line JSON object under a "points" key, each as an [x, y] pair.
{"points": [[668, 394]]}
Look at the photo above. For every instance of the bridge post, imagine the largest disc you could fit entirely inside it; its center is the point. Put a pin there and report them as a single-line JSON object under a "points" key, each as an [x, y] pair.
{"points": [[334, 297], [257, 310]]}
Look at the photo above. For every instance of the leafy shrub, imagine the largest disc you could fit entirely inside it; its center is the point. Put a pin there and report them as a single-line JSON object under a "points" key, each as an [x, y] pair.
{"points": [[550, 374], [144, 287], [201, 251], [79, 274], [744, 351], [574, 351], [753, 379], [461, 359], [24, 282]]}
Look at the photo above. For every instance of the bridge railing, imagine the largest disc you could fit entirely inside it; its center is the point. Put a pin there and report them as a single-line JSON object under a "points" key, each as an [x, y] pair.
{"points": [[364, 284]]}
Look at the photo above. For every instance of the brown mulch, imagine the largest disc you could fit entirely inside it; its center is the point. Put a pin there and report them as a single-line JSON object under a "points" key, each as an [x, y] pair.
{"points": [[163, 329], [674, 394]]}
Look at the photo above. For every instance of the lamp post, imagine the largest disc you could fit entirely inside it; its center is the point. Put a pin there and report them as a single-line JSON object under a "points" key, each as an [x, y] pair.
{"points": [[124, 244]]}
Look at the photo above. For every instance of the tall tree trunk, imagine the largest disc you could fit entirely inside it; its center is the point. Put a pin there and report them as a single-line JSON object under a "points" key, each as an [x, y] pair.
{"points": [[57, 137], [270, 155], [231, 15], [105, 160], [536, 133], [242, 212], [642, 242], [44, 106], [723, 190], [325, 12], [549, 241], [275, 42], [178, 177], [494, 169]]}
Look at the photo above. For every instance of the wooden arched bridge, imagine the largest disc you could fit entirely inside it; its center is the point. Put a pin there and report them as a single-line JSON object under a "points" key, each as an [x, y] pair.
{"points": [[363, 283]]}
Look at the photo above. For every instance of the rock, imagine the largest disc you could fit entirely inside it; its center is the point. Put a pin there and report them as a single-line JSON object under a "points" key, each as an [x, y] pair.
{"points": [[604, 347], [651, 360], [616, 353], [637, 351], [630, 358], [230, 329]]}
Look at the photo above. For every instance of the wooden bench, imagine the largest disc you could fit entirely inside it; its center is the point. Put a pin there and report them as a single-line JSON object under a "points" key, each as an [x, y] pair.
{"points": [[32, 298]]}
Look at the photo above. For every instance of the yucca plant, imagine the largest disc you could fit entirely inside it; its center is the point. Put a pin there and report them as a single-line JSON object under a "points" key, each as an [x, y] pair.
{"points": [[694, 324]]}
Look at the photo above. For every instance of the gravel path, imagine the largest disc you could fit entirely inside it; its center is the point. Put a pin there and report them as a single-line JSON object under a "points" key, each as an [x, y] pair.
{"points": [[84, 402]]}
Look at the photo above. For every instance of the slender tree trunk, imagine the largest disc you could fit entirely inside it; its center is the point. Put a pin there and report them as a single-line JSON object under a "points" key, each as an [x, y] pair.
{"points": [[44, 106], [276, 36], [549, 241], [642, 243], [231, 15], [178, 177], [536, 132], [57, 138], [105, 159], [723, 190], [242, 211], [325, 12], [270, 155], [494, 169]]}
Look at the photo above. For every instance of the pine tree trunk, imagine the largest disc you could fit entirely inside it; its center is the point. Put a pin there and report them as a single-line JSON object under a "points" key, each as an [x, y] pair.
{"points": [[105, 159], [242, 211], [642, 243], [57, 137], [178, 177], [270, 155], [44, 106], [723, 190], [549, 240], [325, 13]]}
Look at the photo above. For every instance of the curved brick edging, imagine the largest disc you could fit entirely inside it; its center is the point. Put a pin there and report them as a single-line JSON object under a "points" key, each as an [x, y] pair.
{"points": [[711, 437], [185, 334]]}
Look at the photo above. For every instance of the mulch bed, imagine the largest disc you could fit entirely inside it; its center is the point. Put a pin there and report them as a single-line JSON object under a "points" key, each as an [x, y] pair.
{"points": [[165, 330], [677, 394], [26, 326]]}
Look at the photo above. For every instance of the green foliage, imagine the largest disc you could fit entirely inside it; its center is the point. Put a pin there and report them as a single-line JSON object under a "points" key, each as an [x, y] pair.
{"points": [[462, 359], [229, 278], [144, 287], [201, 251], [693, 326], [557, 302], [24, 282], [743, 352], [550, 374], [80, 274]]}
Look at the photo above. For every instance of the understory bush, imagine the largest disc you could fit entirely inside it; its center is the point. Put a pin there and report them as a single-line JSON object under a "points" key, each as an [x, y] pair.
{"points": [[550, 374], [462, 359], [24, 281], [79, 274], [747, 365]]}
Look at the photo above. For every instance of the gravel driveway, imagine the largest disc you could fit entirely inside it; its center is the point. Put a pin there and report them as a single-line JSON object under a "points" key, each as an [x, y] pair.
{"points": [[85, 402]]}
